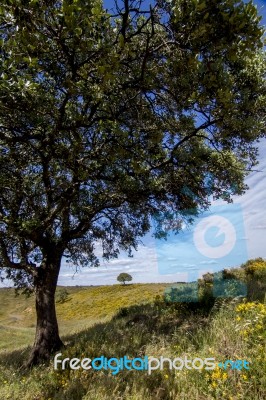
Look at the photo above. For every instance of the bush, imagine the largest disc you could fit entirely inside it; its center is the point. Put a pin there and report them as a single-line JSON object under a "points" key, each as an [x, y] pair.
{"points": [[62, 296], [255, 274]]}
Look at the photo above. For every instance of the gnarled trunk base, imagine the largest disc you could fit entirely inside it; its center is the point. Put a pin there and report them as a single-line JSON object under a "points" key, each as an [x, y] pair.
{"points": [[47, 339], [43, 349]]}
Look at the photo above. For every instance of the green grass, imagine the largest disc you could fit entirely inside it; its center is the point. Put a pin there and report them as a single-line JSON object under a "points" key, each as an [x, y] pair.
{"points": [[154, 329], [135, 320], [83, 307]]}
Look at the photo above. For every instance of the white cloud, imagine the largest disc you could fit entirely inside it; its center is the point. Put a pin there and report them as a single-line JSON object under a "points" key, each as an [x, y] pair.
{"points": [[209, 262]]}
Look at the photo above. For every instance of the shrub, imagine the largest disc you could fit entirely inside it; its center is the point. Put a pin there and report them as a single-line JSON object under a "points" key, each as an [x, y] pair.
{"points": [[62, 296]]}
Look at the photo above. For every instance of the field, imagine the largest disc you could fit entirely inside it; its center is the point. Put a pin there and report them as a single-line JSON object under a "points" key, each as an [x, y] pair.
{"points": [[138, 320], [82, 307]]}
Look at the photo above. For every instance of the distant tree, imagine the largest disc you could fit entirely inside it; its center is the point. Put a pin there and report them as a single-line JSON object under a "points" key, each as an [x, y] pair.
{"points": [[124, 277], [110, 118]]}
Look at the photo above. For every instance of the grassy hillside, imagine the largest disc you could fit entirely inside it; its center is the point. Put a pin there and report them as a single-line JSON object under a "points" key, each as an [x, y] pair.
{"points": [[81, 308], [138, 321]]}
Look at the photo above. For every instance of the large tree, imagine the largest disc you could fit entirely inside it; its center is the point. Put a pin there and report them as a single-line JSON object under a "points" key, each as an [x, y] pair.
{"points": [[110, 118]]}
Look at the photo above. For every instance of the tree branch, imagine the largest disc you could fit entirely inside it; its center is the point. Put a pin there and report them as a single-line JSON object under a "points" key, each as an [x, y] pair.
{"points": [[29, 268]]}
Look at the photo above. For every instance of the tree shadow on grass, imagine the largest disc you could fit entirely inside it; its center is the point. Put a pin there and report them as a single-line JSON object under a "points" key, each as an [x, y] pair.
{"points": [[129, 332], [15, 358]]}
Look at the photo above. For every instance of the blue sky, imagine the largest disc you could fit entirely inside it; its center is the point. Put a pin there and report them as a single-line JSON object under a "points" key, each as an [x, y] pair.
{"points": [[227, 236], [177, 259]]}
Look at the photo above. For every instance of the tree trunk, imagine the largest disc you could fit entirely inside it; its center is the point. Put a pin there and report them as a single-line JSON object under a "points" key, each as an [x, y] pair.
{"points": [[47, 340]]}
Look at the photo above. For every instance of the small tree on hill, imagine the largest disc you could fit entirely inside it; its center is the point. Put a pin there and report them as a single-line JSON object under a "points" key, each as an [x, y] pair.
{"points": [[123, 277]]}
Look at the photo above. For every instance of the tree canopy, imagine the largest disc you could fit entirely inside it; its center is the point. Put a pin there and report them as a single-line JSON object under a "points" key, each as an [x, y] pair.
{"points": [[124, 277], [110, 117]]}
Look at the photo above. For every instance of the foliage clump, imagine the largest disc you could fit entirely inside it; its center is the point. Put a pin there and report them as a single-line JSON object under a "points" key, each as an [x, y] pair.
{"points": [[124, 277]]}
